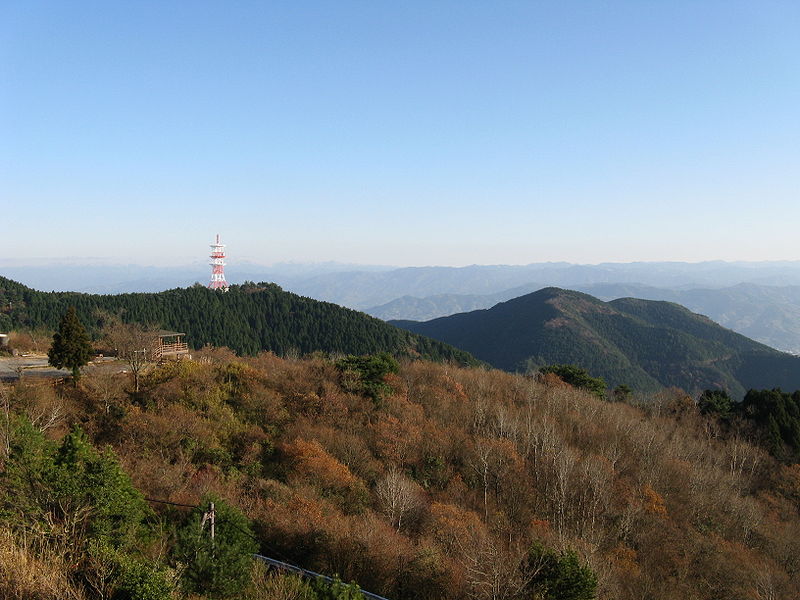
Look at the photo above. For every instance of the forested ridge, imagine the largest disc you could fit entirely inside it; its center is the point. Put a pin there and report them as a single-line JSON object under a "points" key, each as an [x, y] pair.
{"points": [[248, 319], [418, 481], [640, 343]]}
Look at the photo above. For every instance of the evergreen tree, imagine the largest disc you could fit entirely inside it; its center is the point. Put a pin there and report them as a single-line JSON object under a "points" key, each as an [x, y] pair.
{"points": [[93, 482], [776, 416], [622, 393], [71, 346], [219, 568], [560, 575], [716, 402], [79, 500], [367, 374], [579, 378]]}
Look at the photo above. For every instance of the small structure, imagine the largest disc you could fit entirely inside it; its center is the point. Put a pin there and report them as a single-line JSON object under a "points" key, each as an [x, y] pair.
{"points": [[3, 340], [171, 346]]}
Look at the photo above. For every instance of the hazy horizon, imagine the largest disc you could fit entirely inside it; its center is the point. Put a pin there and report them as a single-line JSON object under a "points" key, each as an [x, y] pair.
{"points": [[89, 261]]}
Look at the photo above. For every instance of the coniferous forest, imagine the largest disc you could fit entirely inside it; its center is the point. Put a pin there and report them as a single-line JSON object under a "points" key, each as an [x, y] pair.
{"points": [[247, 319]]}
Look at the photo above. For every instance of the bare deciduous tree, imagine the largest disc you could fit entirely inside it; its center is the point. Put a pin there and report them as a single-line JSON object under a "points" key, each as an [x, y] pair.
{"points": [[398, 496], [106, 387], [132, 342]]}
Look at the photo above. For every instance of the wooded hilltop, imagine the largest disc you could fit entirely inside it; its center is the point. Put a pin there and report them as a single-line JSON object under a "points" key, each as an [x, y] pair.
{"points": [[248, 319]]}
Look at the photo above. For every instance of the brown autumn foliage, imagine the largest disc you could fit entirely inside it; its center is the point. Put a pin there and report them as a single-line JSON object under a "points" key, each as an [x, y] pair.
{"points": [[439, 491]]}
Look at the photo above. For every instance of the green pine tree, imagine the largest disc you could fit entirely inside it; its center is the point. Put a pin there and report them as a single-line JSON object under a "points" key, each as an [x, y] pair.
{"points": [[560, 575], [579, 378], [218, 568], [71, 345]]}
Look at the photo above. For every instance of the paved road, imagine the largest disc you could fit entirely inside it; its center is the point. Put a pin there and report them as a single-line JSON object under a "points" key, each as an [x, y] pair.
{"points": [[29, 366]]}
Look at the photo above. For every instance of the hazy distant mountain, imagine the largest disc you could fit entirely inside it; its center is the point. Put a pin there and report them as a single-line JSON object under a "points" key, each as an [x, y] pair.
{"points": [[769, 315], [642, 343], [91, 276], [363, 290], [442, 305]]}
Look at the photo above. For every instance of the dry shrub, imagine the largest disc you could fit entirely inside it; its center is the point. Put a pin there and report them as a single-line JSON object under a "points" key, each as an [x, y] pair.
{"points": [[25, 576], [312, 461], [36, 340], [269, 585]]}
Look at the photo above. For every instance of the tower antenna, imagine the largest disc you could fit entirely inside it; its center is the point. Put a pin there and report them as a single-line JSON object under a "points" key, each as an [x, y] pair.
{"points": [[218, 267]]}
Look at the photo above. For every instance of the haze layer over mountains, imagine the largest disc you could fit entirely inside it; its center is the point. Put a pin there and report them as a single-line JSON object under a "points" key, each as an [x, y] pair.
{"points": [[760, 299]]}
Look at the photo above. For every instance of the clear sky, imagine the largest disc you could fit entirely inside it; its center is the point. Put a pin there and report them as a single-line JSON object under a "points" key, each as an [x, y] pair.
{"points": [[404, 133]]}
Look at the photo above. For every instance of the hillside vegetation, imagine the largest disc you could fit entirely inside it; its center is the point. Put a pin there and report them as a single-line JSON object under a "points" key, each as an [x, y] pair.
{"points": [[248, 319], [432, 482], [640, 343]]}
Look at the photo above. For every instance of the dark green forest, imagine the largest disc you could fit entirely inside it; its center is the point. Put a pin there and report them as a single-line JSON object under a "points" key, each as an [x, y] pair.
{"points": [[248, 319]]}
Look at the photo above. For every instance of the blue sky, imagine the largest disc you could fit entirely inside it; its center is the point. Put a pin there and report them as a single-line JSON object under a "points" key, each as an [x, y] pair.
{"points": [[406, 133]]}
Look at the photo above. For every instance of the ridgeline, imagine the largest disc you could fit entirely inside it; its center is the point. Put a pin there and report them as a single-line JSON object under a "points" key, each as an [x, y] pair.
{"points": [[248, 319]]}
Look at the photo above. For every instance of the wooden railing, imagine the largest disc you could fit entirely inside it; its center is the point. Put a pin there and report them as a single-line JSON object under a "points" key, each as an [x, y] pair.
{"points": [[170, 349]]}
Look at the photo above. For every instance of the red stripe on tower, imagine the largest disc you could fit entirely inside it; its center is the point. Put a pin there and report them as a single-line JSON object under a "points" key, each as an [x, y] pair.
{"points": [[218, 267]]}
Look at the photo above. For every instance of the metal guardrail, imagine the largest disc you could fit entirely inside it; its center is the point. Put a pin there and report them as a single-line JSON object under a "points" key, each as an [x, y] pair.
{"points": [[309, 574]]}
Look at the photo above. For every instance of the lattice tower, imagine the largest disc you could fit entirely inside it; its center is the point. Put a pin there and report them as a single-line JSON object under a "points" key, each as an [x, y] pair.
{"points": [[218, 267]]}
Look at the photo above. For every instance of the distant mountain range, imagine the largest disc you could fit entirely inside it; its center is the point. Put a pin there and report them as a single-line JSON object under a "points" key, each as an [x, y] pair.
{"points": [[642, 343], [362, 286], [363, 290]]}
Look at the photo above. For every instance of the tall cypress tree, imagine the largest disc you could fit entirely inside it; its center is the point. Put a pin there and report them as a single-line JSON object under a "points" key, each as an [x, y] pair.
{"points": [[71, 346]]}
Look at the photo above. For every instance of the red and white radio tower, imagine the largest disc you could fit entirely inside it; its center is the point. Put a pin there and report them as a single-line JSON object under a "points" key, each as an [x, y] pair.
{"points": [[218, 267]]}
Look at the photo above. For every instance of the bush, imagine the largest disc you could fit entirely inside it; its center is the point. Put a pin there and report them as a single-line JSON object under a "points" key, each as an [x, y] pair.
{"points": [[278, 586], [336, 590]]}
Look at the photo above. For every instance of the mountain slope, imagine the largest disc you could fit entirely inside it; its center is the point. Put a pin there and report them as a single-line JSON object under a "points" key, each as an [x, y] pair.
{"points": [[247, 319], [641, 343], [768, 314]]}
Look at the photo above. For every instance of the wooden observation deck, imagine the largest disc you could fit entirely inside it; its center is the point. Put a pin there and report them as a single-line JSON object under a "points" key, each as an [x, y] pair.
{"points": [[170, 346]]}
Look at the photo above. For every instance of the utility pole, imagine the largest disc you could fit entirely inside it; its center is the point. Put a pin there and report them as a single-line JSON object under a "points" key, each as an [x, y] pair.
{"points": [[213, 522], [211, 516]]}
